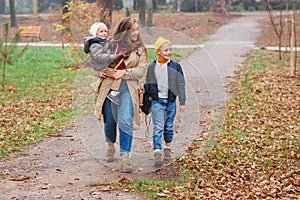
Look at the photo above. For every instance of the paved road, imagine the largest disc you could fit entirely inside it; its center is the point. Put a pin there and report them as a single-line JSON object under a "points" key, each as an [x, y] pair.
{"points": [[62, 167]]}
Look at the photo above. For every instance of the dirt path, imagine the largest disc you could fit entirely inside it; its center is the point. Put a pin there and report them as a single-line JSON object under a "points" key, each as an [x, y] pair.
{"points": [[63, 167]]}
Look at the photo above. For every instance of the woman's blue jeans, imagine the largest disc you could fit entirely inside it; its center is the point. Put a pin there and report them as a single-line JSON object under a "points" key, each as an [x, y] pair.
{"points": [[163, 115], [121, 115]]}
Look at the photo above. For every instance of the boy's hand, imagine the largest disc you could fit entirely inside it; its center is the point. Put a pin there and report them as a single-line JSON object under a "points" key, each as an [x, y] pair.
{"points": [[181, 108], [125, 54], [141, 90]]}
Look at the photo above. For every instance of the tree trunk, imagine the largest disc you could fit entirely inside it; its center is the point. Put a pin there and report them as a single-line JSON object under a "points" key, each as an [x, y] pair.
{"points": [[278, 30], [65, 10], [178, 5], [295, 35], [12, 9], [223, 7], [149, 12], [107, 7], [4, 55], [65, 22], [142, 13], [2, 6], [155, 4], [200, 6], [292, 71]]}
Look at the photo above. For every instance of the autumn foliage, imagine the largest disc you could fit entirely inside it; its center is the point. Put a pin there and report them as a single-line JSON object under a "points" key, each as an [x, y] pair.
{"points": [[257, 153]]}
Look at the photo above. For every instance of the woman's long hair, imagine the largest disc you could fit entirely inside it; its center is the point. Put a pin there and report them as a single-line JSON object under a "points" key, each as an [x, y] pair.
{"points": [[122, 35]]}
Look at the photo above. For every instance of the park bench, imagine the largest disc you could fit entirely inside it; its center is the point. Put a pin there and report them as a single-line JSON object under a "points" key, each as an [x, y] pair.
{"points": [[31, 31]]}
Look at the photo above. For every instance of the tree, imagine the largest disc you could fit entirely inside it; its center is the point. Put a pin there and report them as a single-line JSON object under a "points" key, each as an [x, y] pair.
{"points": [[2, 6], [149, 5], [220, 7], [142, 12], [223, 6], [80, 15], [294, 66], [155, 4], [65, 17], [277, 27], [143, 6], [12, 9], [107, 8], [65, 21], [7, 51], [292, 39]]}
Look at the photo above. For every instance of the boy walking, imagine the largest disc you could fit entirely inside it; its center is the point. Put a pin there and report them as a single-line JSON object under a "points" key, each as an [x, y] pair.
{"points": [[164, 82]]}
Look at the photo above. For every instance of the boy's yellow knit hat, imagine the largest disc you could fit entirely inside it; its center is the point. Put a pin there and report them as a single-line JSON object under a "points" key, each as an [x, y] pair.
{"points": [[159, 42]]}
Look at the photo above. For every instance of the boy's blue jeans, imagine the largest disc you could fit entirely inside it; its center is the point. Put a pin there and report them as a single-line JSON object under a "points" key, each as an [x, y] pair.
{"points": [[123, 115], [163, 116]]}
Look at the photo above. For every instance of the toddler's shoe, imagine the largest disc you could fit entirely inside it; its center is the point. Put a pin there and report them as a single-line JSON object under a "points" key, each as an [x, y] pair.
{"points": [[113, 96]]}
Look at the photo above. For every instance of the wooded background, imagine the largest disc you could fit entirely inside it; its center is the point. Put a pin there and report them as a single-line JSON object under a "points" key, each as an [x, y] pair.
{"points": [[44, 6]]}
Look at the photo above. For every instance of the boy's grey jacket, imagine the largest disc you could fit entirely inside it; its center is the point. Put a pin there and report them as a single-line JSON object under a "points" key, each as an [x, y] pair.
{"points": [[176, 82], [100, 54]]}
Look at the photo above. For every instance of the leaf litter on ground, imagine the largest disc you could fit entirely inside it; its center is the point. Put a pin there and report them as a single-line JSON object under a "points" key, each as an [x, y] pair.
{"points": [[257, 152]]}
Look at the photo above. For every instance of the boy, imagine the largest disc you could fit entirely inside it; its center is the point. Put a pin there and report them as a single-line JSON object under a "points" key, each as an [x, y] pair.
{"points": [[164, 82], [101, 57]]}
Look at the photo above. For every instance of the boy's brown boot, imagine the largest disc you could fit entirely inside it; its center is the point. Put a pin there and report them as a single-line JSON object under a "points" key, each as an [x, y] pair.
{"points": [[167, 155], [158, 162]]}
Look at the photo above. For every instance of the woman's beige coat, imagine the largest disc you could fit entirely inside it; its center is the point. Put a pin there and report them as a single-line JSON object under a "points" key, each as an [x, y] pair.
{"points": [[136, 67]]}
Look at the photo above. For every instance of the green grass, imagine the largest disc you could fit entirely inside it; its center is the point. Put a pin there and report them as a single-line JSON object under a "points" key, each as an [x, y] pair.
{"points": [[152, 188], [40, 104], [37, 70]]}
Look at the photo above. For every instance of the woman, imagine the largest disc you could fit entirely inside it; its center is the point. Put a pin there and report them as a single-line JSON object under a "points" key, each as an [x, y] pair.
{"points": [[132, 71]]}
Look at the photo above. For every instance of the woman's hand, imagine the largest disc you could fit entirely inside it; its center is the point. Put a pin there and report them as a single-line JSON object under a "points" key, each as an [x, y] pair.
{"points": [[102, 75], [119, 74]]}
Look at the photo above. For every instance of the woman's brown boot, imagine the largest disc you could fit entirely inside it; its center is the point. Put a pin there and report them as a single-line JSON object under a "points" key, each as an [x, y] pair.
{"points": [[126, 167], [110, 155]]}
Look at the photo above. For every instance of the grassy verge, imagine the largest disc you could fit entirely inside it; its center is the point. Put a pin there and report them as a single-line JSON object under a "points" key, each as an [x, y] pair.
{"points": [[40, 102], [257, 152]]}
